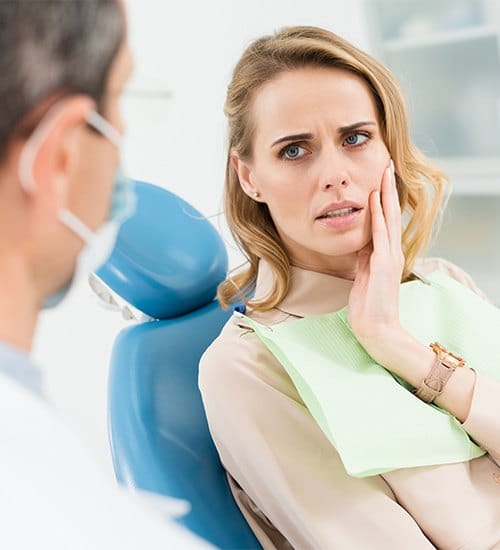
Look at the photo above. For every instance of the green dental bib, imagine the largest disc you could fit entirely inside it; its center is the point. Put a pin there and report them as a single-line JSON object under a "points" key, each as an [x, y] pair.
{"points": [[370, 416]]}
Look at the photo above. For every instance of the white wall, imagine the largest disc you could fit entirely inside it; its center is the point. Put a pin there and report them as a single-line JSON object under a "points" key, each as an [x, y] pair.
{"points": [[187, 49], [189, 52]]}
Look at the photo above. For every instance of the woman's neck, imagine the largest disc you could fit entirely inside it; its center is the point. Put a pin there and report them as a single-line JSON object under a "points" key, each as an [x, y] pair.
{"points": [[342, 268]]}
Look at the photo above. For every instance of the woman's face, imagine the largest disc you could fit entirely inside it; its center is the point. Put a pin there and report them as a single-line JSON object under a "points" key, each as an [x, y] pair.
{"points": [[317, 155]]}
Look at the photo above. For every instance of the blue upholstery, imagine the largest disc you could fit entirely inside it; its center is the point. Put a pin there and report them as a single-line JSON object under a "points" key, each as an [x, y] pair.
{"points": [[168, 262], [168, 258]]}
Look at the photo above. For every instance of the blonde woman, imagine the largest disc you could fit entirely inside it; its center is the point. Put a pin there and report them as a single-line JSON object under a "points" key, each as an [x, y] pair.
{"points": [[332, 203]]}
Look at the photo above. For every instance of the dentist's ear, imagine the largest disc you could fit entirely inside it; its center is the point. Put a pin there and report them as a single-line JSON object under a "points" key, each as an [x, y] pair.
{"points": [[245, 176], [49, 158]]}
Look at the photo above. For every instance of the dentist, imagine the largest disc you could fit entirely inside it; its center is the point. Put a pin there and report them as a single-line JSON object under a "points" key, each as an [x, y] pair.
{"points": [[63, 67]]}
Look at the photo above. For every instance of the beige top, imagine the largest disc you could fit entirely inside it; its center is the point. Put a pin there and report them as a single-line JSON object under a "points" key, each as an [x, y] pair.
{"points": [[289, 480]]}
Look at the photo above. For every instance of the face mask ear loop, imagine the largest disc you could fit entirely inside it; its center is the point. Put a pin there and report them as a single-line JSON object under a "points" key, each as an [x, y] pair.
{"points": [[32, 146], [100, 124], [27, 163], [76, 225]]}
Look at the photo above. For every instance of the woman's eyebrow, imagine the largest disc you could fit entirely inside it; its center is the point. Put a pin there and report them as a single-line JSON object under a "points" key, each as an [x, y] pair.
{"points": [[341, 130], [294, 137], [355, 126]]}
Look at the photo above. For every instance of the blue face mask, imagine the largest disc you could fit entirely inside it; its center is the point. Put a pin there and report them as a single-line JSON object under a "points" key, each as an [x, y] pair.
{"points": [[123, 199], [100, 244]]}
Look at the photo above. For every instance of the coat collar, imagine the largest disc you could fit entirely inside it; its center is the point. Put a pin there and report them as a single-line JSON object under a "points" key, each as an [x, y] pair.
{"points": [[311, 293]]}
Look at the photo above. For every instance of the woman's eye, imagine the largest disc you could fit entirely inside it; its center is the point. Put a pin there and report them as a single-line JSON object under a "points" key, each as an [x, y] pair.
{"points": [[292, 152], [356, 139]]}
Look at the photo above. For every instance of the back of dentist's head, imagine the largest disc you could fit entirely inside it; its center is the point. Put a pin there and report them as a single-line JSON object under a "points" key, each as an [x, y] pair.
{"points": [[51, 49], [63, 68]]}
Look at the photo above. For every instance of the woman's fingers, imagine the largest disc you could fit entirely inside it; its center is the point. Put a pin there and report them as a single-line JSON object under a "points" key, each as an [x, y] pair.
{"points": [[379, 227], [397, 211], [364, 256], [387, 193], [391, 208], [392, 214]]}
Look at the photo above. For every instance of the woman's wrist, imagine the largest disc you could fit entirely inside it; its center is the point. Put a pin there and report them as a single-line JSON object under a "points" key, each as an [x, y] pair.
{"points": [[398, 351]]}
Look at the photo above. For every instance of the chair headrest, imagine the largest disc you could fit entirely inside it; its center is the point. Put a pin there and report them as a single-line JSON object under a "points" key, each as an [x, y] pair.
{"points": [[168, 258]]}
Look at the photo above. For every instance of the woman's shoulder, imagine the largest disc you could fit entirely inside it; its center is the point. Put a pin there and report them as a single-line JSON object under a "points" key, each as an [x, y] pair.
{"points": [[426, 266], [238, 340], [235, 338], [237, 356]]}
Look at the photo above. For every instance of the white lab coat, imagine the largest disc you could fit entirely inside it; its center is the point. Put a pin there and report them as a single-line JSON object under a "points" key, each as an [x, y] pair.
{"points": [[53, 496]]}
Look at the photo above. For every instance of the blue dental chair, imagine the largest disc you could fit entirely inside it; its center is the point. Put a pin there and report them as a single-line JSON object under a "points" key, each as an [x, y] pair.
{"points": [[167, 263]]}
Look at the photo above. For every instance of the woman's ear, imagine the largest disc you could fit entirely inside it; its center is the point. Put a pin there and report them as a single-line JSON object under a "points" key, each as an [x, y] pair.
{"points": [[245, 176]]}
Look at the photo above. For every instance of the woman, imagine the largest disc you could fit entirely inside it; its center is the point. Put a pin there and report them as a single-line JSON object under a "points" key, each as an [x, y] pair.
{"points": [[315, 202]]}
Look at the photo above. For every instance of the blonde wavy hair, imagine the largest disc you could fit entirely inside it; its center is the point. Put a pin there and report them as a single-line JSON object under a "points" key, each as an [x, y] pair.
{"points": [[420, 185]]}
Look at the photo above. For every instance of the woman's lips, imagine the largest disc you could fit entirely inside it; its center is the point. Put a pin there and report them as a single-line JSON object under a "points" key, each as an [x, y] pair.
{"points": [[341, 222]]}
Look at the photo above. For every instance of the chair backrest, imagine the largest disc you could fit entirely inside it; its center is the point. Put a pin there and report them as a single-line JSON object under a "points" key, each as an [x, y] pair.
{"points": [[167, 263]]}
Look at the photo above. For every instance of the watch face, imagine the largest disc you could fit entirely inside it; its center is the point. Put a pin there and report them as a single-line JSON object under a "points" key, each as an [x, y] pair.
{"points": [[450, 362], [448, 359]]}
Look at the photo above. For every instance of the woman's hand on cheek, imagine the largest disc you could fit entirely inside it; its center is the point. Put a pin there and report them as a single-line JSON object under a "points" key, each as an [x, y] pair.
{"points": [[373, 308]]}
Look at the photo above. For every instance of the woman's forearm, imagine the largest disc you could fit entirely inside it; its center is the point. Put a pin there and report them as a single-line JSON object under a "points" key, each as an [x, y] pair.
{"points": [[402, 354]]}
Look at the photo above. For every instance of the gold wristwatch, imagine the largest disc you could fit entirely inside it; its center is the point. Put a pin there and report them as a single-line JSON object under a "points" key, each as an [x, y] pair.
{"points": [[444, 366]]}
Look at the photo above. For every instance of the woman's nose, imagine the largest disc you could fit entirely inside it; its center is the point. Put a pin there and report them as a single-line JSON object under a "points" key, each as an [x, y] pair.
{"points": [[333, 182], [333, 174]]}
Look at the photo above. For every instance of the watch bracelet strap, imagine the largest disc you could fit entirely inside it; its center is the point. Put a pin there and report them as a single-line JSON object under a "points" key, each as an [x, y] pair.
{"points": [[434, 383]]}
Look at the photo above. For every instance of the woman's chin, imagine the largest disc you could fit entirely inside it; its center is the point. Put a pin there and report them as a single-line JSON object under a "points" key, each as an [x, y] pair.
{"points": [[343, 247]]}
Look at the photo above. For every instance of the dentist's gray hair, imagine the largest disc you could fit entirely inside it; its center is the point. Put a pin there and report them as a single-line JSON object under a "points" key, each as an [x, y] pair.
{"points": [[53, 48]]}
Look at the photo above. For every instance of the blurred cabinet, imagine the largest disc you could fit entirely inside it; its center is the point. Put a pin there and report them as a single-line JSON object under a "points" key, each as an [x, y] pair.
{"points": [[446, 55]]}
